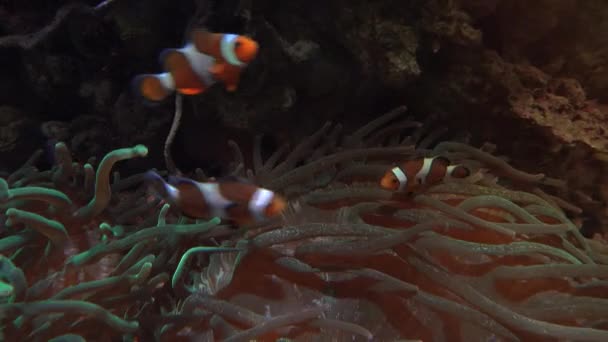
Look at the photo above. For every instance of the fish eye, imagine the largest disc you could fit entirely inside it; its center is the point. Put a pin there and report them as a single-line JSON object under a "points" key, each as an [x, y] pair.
{"points": [[237, 44], [394, 181]]}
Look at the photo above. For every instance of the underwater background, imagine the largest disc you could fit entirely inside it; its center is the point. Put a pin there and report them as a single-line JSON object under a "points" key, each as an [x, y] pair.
{"points": [[338, 96]]}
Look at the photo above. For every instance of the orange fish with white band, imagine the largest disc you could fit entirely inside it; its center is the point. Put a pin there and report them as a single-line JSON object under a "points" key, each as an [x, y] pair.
{"points": [[206, 59], [229, 198], [413, 175]]}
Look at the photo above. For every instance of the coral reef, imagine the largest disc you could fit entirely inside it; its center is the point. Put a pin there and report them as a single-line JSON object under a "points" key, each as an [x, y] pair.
{"points": [[558, 37], [489, 257], [530, 78], [547, 123], [505, 254]]}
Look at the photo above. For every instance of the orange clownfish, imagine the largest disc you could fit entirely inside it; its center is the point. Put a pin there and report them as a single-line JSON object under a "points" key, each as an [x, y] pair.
{"points": [[206, 59], [229, 198], [413, 175]]}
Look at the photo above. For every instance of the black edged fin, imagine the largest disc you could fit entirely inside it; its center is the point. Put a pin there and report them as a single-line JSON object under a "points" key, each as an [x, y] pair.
{"points": [[153, 176], [200, 38], [177, 180], [183, 183], [230, 206], [460, 171], [156, 184], [467, 171], [149, 89], [164, 54], [233, 225], [189, 216], [135, 86], [443, 159]]}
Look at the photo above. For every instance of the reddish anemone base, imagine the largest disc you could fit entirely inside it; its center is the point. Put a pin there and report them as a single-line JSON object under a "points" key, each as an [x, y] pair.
{"points": [[438, 266]]}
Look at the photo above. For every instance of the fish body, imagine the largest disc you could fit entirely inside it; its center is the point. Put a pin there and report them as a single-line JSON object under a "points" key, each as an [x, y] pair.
{"points": [[414, 175], [231, 52], [230, 198], [206, 59]]}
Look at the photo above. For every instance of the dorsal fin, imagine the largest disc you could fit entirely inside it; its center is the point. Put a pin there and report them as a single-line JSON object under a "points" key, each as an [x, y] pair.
{"points": [[205, 41], [460, 171], [152, 175], [443, 159], [183, 183], [157, 186], [155, 181]]}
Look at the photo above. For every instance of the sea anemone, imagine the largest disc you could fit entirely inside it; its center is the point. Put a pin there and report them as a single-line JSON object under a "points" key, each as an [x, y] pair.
{"points": [[493, 256]]}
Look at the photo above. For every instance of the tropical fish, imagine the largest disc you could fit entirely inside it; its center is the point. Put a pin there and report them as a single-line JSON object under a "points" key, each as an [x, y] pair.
{"points": [[417, 174], [206, 59], [229, 198]]}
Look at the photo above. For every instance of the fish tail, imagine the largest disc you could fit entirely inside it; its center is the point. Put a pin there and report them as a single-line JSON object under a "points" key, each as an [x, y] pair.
{"points": [[159, 188], [153, 87], [49, 151]]}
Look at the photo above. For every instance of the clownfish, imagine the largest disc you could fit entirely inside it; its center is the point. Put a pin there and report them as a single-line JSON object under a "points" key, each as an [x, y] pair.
{"points": [[206, 59], [413, 175], [229, 198]]}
